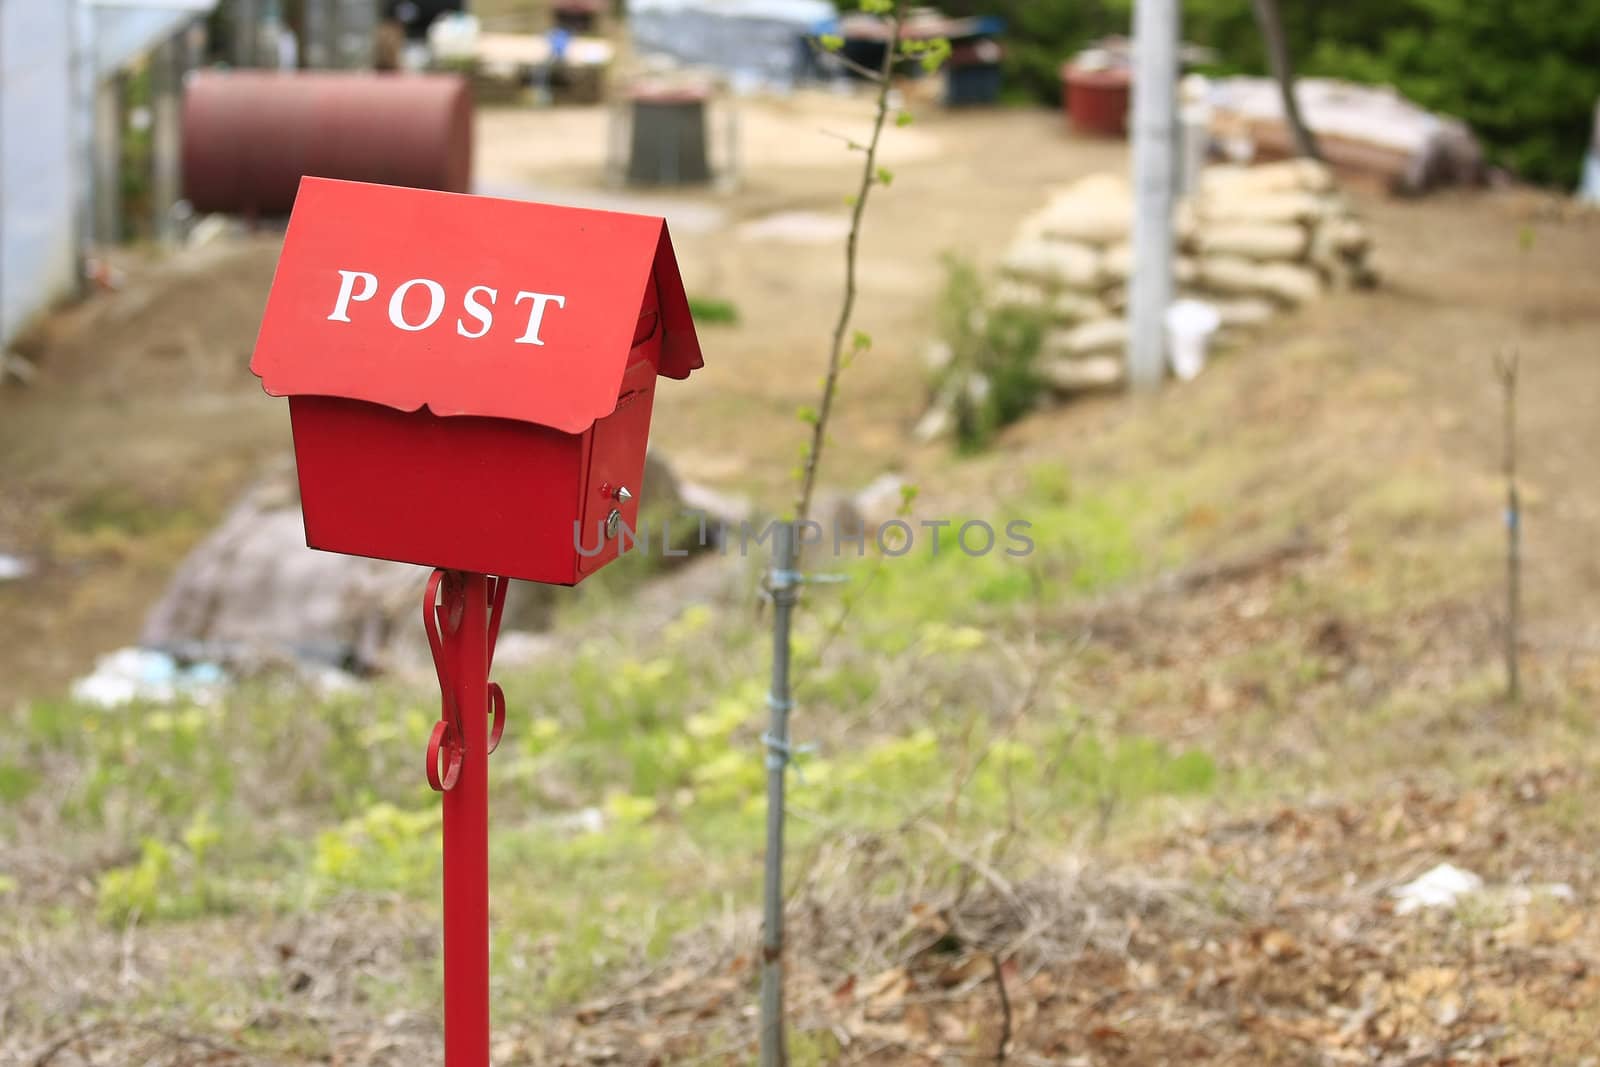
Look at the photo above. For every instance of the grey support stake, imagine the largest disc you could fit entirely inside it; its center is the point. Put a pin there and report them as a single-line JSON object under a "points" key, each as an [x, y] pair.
{"points": [[784, 584]]}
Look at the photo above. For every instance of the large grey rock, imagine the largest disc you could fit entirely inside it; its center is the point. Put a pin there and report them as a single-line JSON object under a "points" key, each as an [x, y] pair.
{"points": [[532, 607], [253, 593], [252, 590]]}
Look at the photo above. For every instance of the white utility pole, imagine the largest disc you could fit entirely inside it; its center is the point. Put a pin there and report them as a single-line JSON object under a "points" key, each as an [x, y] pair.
{"points": [[1150, 290]]}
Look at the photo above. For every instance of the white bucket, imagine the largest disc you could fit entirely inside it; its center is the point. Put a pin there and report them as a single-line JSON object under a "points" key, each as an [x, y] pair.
{"points": [[1190, 324]]}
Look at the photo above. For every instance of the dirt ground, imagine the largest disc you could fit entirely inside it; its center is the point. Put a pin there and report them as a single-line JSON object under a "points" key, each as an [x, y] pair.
{"points": [[1335, 638], [962, 183], [144, 419]]}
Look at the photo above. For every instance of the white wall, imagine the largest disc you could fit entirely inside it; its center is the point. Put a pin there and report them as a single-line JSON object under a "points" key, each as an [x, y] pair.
{"points": [[38, 179]]}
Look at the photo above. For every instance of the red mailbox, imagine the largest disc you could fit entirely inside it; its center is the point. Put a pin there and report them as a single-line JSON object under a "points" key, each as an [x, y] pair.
{"points": [[470, 383], [470, 379]]}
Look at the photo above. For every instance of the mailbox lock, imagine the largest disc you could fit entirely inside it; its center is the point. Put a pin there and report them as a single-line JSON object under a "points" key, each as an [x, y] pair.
{"points": [[621, 494]]}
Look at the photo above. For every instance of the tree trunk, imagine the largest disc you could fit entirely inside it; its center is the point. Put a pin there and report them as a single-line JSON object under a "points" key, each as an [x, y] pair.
{"points": [[1271, 24]]}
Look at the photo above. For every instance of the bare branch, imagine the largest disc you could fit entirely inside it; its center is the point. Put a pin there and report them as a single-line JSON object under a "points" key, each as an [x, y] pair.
{"points": [[849, 64], [1003, 1046], [850, 142], [1270, 21], [869, 171]]}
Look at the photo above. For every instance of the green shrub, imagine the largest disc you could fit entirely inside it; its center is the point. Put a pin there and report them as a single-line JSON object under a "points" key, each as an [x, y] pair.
{"points": [[998, 347], [168, 881], [1523, 75], [384, 848]]}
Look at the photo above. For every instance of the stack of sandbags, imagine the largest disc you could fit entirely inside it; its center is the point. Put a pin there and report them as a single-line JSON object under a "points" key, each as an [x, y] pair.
{"points": [[1252, 241]]}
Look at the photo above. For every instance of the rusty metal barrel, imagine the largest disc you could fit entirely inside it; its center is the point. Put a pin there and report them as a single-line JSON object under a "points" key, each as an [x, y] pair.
{"points": [[249, 136]]}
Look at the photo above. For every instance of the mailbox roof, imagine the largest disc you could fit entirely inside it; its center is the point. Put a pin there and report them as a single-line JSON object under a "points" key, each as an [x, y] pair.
{"points": [[601, 263]]}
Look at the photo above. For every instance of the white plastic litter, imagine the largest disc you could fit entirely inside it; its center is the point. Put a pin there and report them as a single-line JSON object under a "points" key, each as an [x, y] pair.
{"points": [[13, 567], [1190, 324], [141, 674], [1589, 186], [1523, 895], [1439, 888], [454, 35]]}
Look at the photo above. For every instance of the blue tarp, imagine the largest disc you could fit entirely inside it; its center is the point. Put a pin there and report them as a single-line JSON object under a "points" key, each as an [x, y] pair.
{"points": [[759, 41]]}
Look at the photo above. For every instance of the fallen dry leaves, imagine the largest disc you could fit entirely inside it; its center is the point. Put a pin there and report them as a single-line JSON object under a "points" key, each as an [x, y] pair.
{"points": [[1263, 941]]}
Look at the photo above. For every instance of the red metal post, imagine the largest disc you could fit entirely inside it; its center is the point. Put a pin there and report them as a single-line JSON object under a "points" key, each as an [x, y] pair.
{"points": [[461, 614], [466, 835]]}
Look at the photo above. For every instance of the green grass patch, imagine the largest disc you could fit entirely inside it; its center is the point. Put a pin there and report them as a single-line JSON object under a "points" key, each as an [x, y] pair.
{"points": [[709, 311], [120, 509], [628, 798]]}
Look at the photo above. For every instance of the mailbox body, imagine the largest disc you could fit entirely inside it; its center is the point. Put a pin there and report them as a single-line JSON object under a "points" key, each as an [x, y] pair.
{"points": [[518, 469]]}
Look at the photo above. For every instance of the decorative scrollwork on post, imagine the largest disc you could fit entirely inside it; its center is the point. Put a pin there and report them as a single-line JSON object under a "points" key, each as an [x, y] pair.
{"points": [[497, 696], [442, 605], [441, 618]]}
